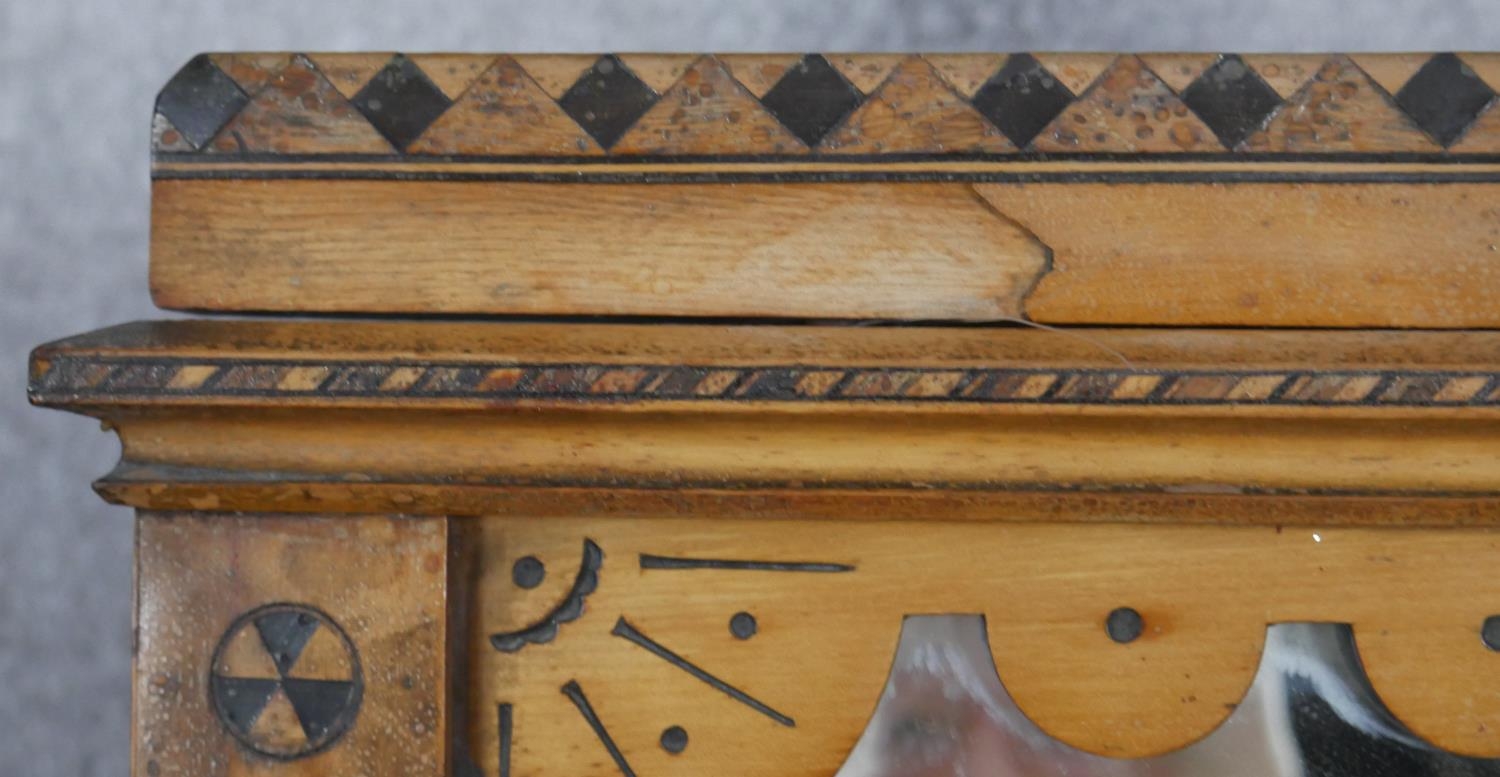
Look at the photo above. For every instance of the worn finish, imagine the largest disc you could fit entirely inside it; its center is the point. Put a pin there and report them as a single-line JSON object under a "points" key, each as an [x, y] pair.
{"points": [[1348, 254], [647, 546], [780, 105], [1274, 190], [286, 681], [363, 692], [914, 251], [1332, 414], [650, 649], [1352, 255]]}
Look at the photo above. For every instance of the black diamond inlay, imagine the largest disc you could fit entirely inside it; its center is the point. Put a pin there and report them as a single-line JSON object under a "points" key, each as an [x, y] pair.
{"points": [[1232, 99], [811, 98], [1022, 99], [200, 100], [607, 99], [1445, 97], [401, 101]]}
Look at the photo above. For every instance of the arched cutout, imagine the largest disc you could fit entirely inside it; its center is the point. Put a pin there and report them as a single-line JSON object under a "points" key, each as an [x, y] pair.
{"points": [[1309, 711]]}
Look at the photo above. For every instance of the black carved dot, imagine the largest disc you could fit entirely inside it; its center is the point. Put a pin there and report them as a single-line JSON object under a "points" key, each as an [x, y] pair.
{"points": [[1124, 625], [528, 572], [1490, 633], [674, 740], [743, 625]]}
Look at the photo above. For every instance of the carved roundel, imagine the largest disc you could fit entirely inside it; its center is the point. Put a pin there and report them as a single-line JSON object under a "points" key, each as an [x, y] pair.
{"points": [[286, 681]]}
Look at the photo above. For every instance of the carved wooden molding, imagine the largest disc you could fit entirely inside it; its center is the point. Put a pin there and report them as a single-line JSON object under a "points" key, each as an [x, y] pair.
{"points": [[657, 515], [991, 417], [1264, 190]]}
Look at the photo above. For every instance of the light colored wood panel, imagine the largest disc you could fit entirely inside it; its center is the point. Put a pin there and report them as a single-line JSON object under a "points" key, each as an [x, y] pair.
{"points": [[748, 448], [382, 581], [532, 122], [1341, 109], [299, 106], [914, 109], [1347, 255], [704, 112], [1128, 110], [826, 251], [167, 489], [1373, 255], [825, 640]]}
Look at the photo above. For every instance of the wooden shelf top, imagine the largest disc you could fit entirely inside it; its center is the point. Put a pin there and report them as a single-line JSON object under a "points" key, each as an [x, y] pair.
{"points": [[1197, 190]]}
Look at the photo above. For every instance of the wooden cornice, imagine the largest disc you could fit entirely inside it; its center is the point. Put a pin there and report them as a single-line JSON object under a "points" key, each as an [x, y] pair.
{"points": [[1218, 426]]}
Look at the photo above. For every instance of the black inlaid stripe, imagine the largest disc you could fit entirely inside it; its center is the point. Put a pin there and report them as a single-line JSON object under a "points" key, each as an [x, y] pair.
{"points": [[628, 632], [649, 561], [506, 726], [1187, 157], [575, 693], [850, 176]]}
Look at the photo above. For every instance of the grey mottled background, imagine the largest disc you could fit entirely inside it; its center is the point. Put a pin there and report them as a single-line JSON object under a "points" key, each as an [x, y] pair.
{"points": [[77, 80]]}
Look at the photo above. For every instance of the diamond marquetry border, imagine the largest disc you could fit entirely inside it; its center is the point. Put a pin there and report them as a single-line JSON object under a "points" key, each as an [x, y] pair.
{"points": [[69, 378], [837, 106]]}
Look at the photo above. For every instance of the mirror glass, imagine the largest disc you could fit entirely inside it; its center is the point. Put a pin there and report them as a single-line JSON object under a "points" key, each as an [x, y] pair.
{"points": [[1309, 713]]}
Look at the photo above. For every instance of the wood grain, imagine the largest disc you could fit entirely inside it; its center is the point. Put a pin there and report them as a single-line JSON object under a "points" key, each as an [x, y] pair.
{"points": [[461, 342], [383, 580], [910, 251], [1243, 254], [531, 547], [825, 642], [1352, 255], [292, 422]]}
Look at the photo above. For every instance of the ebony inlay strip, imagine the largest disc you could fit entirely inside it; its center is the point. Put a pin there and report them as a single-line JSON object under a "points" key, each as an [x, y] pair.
{"points": [[506, 731], [649, 561], [575, 693], [625, 630]]}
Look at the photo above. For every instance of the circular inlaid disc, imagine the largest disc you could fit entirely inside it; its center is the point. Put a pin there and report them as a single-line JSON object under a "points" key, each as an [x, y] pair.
{"points": [[286, 681]]}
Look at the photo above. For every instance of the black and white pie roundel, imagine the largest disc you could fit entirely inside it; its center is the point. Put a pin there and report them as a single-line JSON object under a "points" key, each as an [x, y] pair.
{"points": [[286, 681]]}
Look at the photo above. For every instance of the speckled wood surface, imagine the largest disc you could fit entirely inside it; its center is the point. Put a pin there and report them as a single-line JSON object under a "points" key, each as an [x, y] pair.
{"points": [[77, 81]]}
